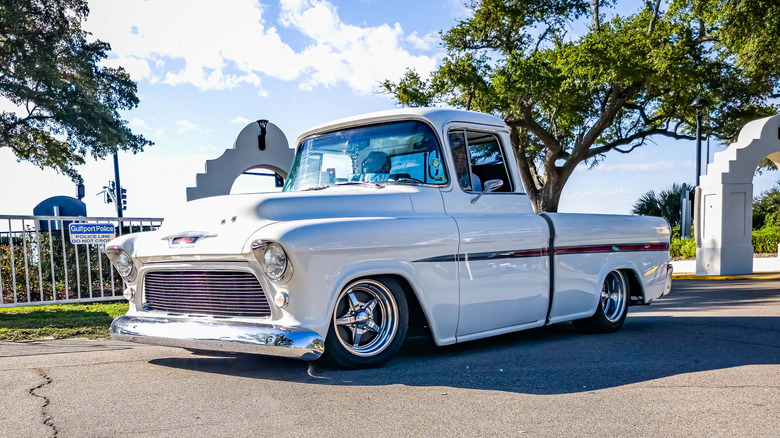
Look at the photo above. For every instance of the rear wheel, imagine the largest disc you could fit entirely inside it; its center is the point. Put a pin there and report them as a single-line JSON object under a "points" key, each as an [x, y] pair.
{"points": [[612, 309], [369, 323]]}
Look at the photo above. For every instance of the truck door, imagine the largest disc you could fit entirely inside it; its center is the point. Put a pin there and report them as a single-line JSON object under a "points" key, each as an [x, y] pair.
{"points": [[502, 258]]}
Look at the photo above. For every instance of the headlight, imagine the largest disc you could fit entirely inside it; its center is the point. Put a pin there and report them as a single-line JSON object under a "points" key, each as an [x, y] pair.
{"points": [[274, 261], [122, 262]]}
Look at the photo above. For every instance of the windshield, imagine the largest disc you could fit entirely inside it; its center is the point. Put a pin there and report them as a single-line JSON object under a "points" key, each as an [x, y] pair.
{"points": [[390, 153]]}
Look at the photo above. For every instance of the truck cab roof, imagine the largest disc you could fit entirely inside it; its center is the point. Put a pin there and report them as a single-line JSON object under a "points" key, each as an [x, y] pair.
{"points": [[438, 117]]}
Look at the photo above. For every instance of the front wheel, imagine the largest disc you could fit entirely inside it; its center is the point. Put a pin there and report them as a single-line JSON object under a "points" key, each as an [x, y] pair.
{"points": [[369, 323], [612, 309]]}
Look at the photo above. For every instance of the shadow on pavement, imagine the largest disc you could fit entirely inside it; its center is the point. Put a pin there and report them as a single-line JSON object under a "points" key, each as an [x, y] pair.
{"points": [[697, 295], [558, 360], [549, 360]]}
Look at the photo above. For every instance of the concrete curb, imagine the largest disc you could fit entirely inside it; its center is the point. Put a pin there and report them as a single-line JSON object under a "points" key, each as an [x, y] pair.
{"points": [[757, 276]]}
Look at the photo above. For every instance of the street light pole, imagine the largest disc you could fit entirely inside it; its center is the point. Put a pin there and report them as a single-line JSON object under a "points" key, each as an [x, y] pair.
{"points": [[699, 104], [698, 145], [685, 201]]}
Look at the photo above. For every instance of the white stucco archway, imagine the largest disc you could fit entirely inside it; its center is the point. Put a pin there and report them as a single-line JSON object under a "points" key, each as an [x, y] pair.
{"points": [[259, 145], [724, 222]]}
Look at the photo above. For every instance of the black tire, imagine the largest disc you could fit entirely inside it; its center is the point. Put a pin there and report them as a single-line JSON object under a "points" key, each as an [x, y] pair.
{"points": [[612, 308], [368, 325]]}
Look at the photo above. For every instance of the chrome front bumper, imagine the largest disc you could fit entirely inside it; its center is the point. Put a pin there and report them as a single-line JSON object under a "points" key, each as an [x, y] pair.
{"points": [[265, 339]]}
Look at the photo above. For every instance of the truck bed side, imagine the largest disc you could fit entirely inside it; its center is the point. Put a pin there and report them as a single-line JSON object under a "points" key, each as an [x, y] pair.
{"points": [[586, 247]]}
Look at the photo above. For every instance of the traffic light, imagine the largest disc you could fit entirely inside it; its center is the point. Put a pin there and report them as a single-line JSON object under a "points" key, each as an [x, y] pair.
{"points": [[279, 181], [124, 198], [108, 193]]}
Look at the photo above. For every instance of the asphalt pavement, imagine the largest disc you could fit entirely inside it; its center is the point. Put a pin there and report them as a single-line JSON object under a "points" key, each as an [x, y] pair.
{"points": [[703, 361]]}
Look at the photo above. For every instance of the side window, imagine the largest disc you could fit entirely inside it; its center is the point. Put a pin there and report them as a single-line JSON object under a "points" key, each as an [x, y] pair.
{"points": [[460, 157], [486, 159], [478, 158]]}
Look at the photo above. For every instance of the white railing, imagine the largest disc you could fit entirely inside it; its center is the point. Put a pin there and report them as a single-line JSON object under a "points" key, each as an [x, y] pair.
{"points": [[39, 265]]}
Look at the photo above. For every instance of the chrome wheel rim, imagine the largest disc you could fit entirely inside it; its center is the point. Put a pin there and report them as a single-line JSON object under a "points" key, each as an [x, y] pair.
{"points": [[614, 294], [366, 318]]}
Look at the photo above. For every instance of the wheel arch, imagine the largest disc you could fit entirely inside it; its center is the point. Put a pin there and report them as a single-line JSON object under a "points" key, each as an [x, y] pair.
{"points": [[419, 311], [627, 268], [635, 286]]}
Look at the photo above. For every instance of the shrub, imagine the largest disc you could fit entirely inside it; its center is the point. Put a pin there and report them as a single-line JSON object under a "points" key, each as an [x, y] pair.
{"points": [[688, 249], [766, 239]]}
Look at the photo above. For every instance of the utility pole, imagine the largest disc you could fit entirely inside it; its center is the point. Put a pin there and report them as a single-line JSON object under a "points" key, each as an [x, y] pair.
{"points": [[685, 201], [699, 104], [117, 186]]}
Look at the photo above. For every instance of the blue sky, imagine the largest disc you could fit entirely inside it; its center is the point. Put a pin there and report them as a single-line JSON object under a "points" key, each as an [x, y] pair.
{"points": [[203, 72]]}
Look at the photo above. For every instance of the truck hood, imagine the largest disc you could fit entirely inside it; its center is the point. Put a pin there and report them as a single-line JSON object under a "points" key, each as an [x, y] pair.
{"points": [[223, 224]]}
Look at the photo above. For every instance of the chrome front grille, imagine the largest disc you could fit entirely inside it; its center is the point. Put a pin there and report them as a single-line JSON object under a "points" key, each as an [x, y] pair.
{"points": [[200, 292]]}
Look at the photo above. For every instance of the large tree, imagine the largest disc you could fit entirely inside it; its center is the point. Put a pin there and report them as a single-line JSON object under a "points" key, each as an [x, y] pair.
{"points": [[69, 103], [576, 79]]}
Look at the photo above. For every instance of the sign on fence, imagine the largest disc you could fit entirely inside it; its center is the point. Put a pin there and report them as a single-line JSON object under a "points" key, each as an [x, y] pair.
{"points": [[91, 233]]}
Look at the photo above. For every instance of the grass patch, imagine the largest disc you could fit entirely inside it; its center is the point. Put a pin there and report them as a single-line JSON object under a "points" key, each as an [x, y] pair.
{"points": [[59, 321]]}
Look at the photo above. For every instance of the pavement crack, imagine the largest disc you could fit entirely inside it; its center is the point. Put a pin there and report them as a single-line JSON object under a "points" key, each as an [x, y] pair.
{"points": [[47, 420]]}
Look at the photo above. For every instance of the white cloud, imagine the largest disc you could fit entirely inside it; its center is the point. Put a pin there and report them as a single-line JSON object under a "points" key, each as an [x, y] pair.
{"points": [[653, 166], [186, 126], [137, 68], [425, 42], [10, 107], [240, 120], [135, 122], [193, 42], [360, 56]]}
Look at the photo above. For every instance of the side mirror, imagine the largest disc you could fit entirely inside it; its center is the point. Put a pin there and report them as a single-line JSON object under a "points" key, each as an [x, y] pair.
{"points": [[490, 186]]}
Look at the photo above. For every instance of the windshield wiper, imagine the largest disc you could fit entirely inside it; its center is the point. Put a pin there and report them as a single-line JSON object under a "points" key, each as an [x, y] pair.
{"points": [[362, 183], [315, 188]]}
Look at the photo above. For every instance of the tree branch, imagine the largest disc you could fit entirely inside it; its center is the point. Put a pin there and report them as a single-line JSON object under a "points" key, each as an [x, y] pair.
{"points": [[705, 38], [647, 120], [548, 139], [541, 38], [656, 9], [29, 118], [632, 147], [641, 135], [616, 101]]}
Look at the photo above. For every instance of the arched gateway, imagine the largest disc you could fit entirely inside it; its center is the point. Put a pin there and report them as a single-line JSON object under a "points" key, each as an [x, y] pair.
{"points": [[260, 145], [724, 220]]}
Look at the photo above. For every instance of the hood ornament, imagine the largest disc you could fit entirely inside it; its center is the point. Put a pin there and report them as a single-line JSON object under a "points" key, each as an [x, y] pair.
{"points": [[187, 239]]}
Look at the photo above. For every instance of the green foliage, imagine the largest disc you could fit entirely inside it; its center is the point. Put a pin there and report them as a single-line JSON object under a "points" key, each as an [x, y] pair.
{"points": [[71, 105], [59, 321], [766, 208], [685, 248], [765, 240], [571, 98], [666, 204]]}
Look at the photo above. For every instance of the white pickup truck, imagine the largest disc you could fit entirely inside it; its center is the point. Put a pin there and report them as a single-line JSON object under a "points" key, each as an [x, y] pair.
{"points": [[400, 220]]}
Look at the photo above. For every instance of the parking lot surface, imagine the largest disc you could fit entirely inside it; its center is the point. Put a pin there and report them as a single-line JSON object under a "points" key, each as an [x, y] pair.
{"points": [[704, 361]]}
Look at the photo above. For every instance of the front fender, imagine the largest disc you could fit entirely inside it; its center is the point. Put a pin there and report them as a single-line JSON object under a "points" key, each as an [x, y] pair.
{"points": [[326, 254]]}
